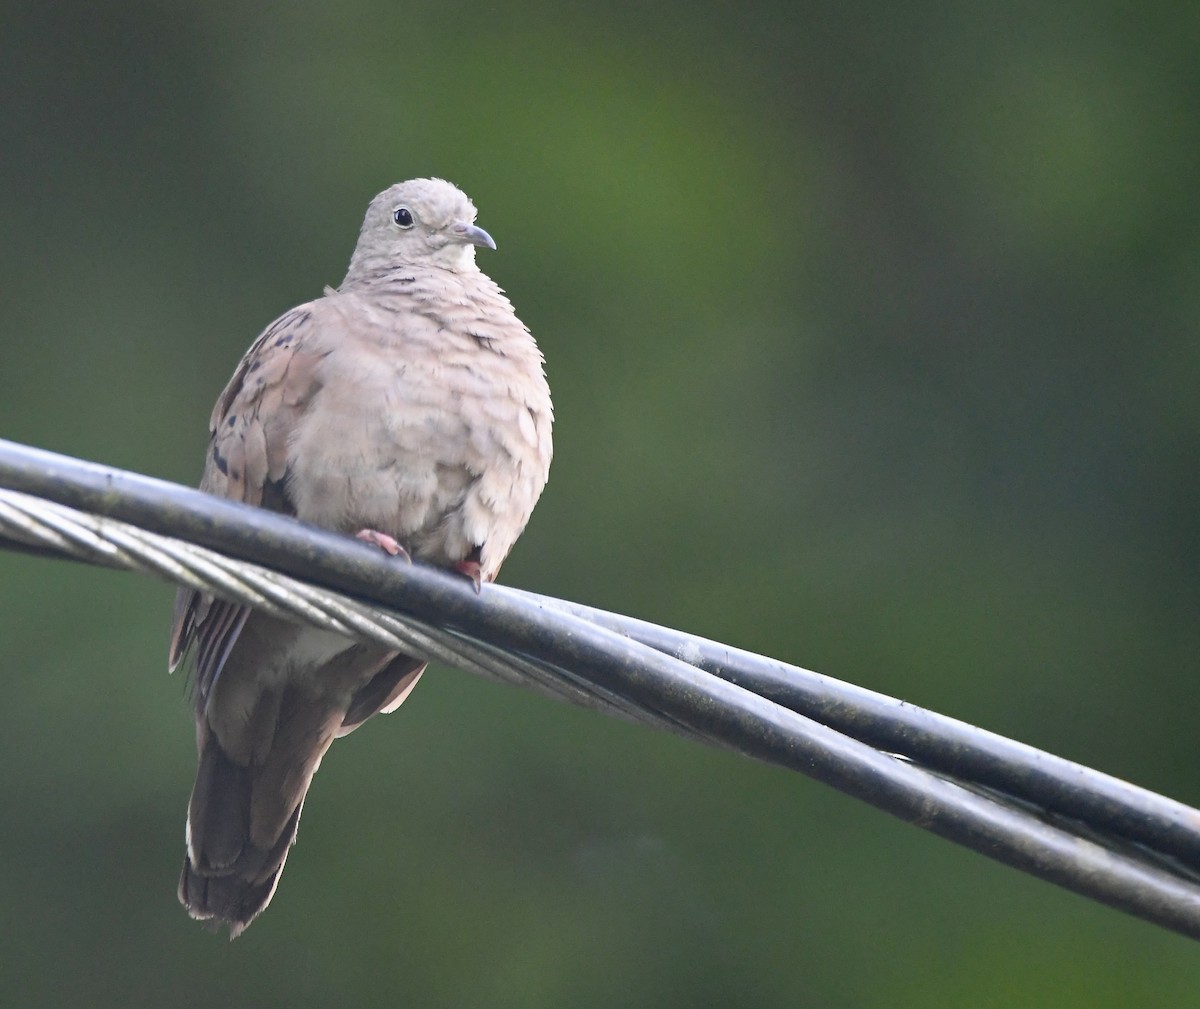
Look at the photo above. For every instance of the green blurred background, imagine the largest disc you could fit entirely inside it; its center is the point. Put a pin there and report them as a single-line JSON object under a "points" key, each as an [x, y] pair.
{"points": [[872, 333]]}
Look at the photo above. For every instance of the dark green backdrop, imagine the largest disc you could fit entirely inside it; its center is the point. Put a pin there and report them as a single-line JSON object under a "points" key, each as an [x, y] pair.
{"points": [[873, 337]]}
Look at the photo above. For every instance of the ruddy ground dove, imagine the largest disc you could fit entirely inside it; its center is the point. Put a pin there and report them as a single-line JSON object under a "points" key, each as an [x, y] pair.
{"points": [[408, 407]]}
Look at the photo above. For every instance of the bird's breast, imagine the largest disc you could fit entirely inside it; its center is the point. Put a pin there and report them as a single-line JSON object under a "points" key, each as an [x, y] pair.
{"points": [[432, 438]]}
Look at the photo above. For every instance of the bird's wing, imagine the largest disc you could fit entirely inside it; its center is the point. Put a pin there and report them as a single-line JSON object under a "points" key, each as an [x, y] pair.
{"points": [[248, 461]]}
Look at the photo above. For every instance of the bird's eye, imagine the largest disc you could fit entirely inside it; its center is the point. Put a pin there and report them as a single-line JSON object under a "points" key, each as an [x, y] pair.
{"points": [[403, 217]]}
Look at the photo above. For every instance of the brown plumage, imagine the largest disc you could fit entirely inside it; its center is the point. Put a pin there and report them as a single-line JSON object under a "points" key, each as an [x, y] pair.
{"points": [[408, 406]]}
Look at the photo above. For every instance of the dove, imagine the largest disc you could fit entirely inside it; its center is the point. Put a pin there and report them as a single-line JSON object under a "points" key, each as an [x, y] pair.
{"points": [[409, 407]]}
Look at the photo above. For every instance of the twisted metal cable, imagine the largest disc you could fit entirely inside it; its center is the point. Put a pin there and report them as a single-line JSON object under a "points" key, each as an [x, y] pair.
{"points": [[1068, 824], [94, 539]]}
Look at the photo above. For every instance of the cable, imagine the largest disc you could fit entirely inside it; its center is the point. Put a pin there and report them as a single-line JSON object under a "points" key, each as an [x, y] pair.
{"points": [[1068, 824]]}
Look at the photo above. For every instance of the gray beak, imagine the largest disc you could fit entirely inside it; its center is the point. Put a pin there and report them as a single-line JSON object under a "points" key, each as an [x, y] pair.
{"points": [[472, 234]]}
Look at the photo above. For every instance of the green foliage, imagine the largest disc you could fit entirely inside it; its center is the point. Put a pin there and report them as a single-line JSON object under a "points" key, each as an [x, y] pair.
{"points": [[873, 339]]}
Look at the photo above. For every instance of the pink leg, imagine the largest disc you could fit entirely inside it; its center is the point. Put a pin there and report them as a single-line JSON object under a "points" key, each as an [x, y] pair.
{"points": [[385, 542]]}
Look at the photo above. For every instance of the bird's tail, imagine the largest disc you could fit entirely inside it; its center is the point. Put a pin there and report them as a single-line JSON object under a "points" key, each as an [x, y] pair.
{"points": [[245, 807], [243, 815]]}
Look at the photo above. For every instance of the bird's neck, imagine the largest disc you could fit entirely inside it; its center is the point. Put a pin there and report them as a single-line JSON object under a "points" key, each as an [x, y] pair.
{"points": [[368, 271]]}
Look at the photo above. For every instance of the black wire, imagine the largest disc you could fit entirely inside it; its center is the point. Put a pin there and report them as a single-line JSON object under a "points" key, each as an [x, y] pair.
{"points": [[944, 744], [753, 710]]}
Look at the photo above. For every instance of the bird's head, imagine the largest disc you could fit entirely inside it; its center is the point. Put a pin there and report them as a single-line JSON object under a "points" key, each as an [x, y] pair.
{"points": [[422, 222]]}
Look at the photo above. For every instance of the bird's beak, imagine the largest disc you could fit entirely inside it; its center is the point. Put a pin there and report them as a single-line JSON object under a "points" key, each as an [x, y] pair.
{"points": [[472, 234]]}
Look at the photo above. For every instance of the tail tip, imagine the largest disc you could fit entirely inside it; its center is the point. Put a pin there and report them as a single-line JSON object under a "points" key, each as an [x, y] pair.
{"points": [[223, 901]]}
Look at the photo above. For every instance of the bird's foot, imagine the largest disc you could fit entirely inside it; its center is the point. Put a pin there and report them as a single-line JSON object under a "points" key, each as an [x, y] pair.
{"points": [[385, 543], [471, 569]]}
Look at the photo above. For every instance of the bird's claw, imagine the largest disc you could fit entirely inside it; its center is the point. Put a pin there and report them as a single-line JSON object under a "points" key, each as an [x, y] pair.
{"points": [[385, 543], [472, 570]]}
